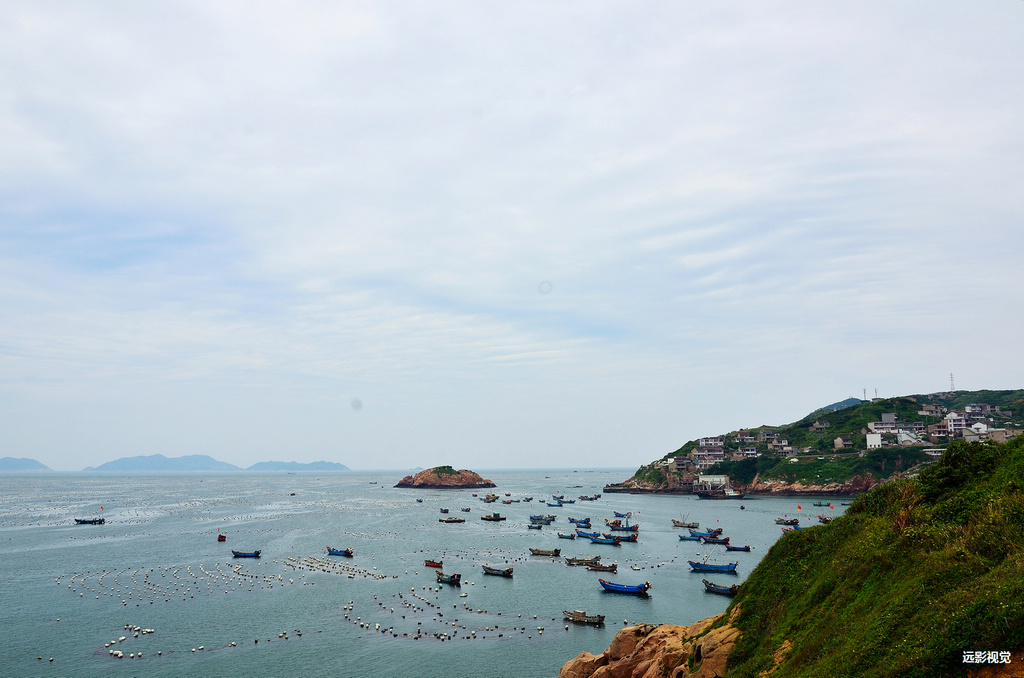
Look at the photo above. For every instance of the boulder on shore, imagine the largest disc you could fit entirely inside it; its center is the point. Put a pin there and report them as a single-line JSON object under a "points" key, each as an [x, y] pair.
{"points": [[445, 478]]}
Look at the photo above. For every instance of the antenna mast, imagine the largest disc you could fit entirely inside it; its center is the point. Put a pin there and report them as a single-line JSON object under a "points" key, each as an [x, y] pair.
{"points": [[951, 387]]}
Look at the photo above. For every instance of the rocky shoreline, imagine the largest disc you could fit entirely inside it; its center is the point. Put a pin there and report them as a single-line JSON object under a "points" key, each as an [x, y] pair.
{"points": [[445, 478], [699, 650], [853, 487]]}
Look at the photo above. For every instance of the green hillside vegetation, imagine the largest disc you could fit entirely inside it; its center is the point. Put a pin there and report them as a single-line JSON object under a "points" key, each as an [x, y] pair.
{"points": [[915, 572], [444, 470]]}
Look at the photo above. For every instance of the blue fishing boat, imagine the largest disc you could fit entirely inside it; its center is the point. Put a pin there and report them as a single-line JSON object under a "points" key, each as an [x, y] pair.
{"points": [[790, 529], [712, 587], [555, 505], [612, 541], [716, 540], [710, 533], [339, 552], [90, 521], [453, 579], [688, 537], [629, 537], [624, 528], [737, 548], [535, 526], [558, 497], [242, 554], [566, 536], [589, 535], [641, 589], [582, 522], [708, 567], [622, 515]]}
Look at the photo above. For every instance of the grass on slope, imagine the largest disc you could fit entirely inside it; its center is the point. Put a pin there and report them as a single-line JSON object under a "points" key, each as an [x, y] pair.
{"points": [[915, 572]]}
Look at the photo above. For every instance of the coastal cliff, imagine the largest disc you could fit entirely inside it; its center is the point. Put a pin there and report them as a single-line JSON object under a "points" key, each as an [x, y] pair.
{"points": [[854, 486], [445, 478], [922, 576], [661, 651]]}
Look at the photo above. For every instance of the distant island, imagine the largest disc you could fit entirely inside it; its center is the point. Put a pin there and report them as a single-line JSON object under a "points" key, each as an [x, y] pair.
{"points": [[21, 464], [158, 462], [445, 478], [296, 466]]}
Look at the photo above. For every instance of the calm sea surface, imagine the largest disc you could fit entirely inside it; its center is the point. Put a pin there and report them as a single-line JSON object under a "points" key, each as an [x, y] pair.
{"points": [[70, 590]]}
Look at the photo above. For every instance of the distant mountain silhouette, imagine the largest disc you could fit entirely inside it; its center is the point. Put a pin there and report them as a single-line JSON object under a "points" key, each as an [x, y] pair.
{"points": [[21, 464], [158, 462], [296, 466]]}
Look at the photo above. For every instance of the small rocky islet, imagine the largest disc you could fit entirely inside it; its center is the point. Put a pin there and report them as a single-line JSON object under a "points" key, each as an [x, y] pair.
{"points": [[445, 478]]}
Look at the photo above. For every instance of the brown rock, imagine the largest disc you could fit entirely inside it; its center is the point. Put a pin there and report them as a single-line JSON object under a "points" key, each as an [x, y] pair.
{"points": [[445, 477]]}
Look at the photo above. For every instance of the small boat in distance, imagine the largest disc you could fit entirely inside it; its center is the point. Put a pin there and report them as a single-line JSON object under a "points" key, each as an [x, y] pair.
{"points": [[708, 567], [546, 552], [640, 589], [339, 552], [451, 519], [688, 537], [222, 537], [787, 521], [243, 554], [566, 536], [453, 579], [493, 517], [592, 560], [90, 521], [712, 587], [737, 548], [597, 567], [582, 617], [535, 526], [433, 563], [498, 571]]}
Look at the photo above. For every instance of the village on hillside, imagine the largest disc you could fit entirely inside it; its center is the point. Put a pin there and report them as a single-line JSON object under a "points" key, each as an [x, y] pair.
{"points": [[910, 425]]}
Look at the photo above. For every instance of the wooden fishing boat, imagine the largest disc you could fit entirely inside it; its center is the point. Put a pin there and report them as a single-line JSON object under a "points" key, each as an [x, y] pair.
{"points": [[588, 535], [787, 521], [715, 540], [546, 552], [90, 521], [712, 587], [624, 528], [555, 505], [622, 515], [592, 560], [493, 517], [444, 510], [541, 521], [640, 589], [821, 503], [708, 567], [683, 523], [453, 579], [571, 535], [498, 571], [465, 509], [222, 537], [535, 526], [611, 541], [451, 519], [688, 537], [582, 522], [597, 567], [628, 537], [582, 617], [824, 520], [547, 517], [243, 554], [339, 552], [433, 563], [737, 548]]}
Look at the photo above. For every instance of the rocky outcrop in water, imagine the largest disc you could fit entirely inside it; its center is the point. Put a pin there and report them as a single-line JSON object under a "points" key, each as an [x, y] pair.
{"points": [[659, 651], [854, 486], [445, 478]]}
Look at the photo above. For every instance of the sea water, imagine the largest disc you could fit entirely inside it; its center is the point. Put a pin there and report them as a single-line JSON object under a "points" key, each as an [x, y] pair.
{"points": [[72, 592]]}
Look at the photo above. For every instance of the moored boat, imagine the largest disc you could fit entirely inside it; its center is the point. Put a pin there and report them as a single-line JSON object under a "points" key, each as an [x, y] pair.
{"points": [[588, 535], [708, 567], [622, 515], [629, 537], [535, 526], [498, 571], [709, 533], [683, 523], [453, 579], [90, 521], [339, 552], [640, 589], [566, 536], [712, 587], [688, 537], [546, 552], [715, 540], [787, 521], [582, 617], [611, 541], [222, 537], [493, 517], [824, 520], [451, 519], [244, 554], [737, 548], [433, 563], [598, 567], [592, 560]]}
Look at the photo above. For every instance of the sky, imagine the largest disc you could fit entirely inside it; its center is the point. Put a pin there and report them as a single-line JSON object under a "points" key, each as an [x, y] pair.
{"points": [[496, 235]]}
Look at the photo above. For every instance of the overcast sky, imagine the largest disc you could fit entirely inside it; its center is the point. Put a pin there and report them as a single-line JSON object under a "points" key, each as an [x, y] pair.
{"points": [[518, 234]]}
